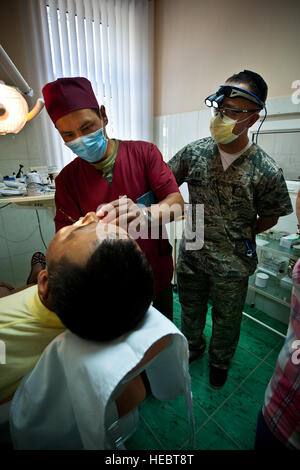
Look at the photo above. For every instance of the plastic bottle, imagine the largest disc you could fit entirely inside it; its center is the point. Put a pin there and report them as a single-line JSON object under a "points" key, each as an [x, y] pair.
{"points": [[34, 184]]}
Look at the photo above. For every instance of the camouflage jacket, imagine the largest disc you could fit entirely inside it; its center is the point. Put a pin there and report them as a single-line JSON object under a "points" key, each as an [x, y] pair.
{"points": [[252, 186]]}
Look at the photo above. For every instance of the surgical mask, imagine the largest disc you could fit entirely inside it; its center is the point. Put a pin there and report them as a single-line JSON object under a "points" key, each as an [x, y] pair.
{"points": [[221, 129], [90, 147]]}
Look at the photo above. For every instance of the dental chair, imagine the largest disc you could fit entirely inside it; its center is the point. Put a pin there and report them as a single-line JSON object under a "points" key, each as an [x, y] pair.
{"points": [[85, 395]]}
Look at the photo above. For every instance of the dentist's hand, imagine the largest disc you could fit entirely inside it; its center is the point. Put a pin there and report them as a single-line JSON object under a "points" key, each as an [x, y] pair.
{"points": [[124, 213]]}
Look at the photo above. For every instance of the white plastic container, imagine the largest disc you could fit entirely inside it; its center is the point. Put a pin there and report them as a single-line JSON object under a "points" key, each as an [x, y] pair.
{"points": [[286, 242], [34, 184], [261, 279]]}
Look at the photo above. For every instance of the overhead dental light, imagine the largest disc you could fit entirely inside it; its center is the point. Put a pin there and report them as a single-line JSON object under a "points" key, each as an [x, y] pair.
{"points": [[14, 112]]}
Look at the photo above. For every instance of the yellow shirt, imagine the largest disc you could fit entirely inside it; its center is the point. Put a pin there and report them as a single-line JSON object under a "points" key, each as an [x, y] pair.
{"points": [[26, 328]]}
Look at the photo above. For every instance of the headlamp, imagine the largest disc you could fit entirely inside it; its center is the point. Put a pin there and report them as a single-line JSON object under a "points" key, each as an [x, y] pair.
{"points": [[218, 100], [229, 91], [215, 100], [210, 99]]}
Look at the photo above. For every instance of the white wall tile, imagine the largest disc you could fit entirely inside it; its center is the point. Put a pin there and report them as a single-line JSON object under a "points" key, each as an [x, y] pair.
{"points": [[20, 238], [20, 229], [20, 235], [203, 123], [21, 268], [26, 147], [46, 216], [187, 130], [6, 273], [3, 243]]}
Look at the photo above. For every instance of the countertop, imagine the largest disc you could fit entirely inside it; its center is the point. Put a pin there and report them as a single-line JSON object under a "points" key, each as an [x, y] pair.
{"points": [[41, 200]]}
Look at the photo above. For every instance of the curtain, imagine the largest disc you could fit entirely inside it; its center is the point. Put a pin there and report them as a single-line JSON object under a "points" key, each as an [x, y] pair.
{"points": [[110, 42]]}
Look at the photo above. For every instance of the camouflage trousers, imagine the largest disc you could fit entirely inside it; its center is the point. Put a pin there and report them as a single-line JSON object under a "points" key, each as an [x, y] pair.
{"points": [[227, 296]]}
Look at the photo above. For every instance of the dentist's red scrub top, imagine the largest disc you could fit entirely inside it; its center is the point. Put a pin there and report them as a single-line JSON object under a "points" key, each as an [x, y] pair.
{"points": [[139, 168]]}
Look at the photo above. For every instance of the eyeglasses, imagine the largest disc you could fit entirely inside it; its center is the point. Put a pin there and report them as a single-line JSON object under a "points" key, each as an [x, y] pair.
{"points": [[232, 112]]}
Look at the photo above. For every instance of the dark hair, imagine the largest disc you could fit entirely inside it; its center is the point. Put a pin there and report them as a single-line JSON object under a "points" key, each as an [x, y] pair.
{"points": [[108, 296], [256, 83], [97, 111]]}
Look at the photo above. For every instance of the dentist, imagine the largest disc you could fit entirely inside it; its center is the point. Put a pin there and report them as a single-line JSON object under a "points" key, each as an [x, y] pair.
{"points": [[104, 169]]}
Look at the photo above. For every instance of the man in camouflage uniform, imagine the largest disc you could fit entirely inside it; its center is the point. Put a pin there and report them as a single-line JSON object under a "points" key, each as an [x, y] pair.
{"points": [[244, 193]]}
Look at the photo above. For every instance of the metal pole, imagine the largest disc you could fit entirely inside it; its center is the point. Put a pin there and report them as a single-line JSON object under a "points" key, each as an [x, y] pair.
{"points": [[9, 67]]}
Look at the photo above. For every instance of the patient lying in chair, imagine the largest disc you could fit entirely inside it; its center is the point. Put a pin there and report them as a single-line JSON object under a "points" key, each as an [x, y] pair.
{"points": [[97, 283]]}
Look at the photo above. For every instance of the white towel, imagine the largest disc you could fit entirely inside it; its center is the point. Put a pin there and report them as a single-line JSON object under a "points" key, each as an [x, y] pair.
{"points": [[62, 403]]}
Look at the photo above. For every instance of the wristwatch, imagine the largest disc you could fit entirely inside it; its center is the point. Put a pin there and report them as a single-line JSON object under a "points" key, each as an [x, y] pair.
{"points": [[148, 215]]}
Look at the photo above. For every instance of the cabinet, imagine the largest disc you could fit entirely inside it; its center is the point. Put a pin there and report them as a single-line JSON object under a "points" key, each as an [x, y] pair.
{"points": [[277, 262]]}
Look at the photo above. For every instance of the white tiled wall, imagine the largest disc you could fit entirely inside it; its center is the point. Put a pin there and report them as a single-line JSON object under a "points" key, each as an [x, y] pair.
{"points": [[25, 148], [19, 231], [174, 131], [20, 238]]}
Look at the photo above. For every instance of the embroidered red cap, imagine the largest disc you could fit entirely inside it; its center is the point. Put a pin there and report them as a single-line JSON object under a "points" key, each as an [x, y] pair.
{"points": [[65, 95]]}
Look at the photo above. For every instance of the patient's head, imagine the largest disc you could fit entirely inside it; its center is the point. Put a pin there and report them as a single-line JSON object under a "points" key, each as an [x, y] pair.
{"points": [[99, 282]]}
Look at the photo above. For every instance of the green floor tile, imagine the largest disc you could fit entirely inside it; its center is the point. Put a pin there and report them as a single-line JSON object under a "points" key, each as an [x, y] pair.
{"points": [[249, 310], [238, 418], [142, 439], [168, 421], [209, 399], [208, 316], [176, 311], [242, 364], [176, 298], [264, 318], [212, 437], [257, 339], [257, 383], [199, 369]]}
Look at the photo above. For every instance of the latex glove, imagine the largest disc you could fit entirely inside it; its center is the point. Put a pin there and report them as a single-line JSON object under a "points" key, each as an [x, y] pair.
{"points": [[126, 214]]}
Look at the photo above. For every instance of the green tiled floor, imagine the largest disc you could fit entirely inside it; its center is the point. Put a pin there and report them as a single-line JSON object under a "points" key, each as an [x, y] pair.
{"points": [[225, 419]]}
